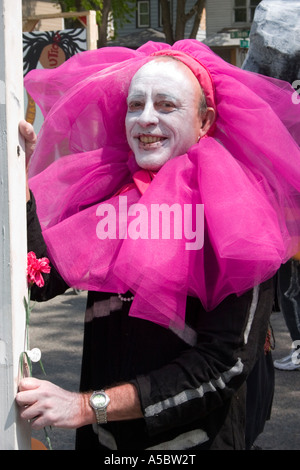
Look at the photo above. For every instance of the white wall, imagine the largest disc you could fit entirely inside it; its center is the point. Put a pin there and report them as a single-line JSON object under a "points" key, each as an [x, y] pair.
{"points": [[219, 15]]}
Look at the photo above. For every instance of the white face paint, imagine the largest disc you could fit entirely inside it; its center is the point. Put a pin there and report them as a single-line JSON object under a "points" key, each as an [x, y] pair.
{"points": [[162, 120]]}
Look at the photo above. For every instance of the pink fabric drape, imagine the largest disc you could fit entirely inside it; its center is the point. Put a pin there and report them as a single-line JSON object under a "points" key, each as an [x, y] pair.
{"points": [[246, 174]]}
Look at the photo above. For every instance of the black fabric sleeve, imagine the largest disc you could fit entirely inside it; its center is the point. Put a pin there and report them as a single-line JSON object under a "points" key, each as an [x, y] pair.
{"points": [[54, 283], [210, 373]]}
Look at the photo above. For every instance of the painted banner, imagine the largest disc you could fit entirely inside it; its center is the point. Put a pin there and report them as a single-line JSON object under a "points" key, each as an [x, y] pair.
{"points": [[48, 49]]}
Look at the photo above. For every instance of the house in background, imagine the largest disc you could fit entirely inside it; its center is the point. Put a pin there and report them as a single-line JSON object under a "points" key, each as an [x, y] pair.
{"points": [[146, 24], [32, 8], [228, 24], [225, 24]]}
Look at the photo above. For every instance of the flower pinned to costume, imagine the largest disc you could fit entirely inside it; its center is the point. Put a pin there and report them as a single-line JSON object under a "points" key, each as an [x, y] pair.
{"points": [[35, 268]]}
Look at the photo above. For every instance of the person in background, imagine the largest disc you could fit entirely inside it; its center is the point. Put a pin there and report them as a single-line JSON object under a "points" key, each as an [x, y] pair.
{"points": [[289, 302]]}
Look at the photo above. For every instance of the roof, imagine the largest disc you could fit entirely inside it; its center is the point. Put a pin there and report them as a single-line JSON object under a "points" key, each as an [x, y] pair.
{"points": [[135, 40]]}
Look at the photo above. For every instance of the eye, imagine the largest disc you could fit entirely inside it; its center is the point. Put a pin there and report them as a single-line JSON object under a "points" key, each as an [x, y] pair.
{"points": [[135, 106], [165, 106]]}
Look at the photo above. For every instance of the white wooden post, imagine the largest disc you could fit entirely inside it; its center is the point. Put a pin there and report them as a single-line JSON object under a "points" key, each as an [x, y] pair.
{"points": [[91, 30], [14, 435]]}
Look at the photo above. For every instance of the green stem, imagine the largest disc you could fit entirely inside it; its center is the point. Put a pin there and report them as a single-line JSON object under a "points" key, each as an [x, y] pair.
{"points": [[28, 310]]}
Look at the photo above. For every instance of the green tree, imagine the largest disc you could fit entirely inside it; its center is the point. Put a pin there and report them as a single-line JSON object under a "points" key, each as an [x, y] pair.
{"points": [[176, 31], [121, 10]]}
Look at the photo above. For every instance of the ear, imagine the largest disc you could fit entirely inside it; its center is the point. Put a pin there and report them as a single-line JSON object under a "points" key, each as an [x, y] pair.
{"points": [[207, 122]]}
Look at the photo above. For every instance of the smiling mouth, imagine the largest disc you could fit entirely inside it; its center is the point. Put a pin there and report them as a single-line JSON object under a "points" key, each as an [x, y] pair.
{"points": [[150, 142], [147, 140]]}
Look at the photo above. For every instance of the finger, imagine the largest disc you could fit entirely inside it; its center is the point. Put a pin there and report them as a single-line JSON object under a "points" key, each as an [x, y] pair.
{"points": [[27, 131], [29, 412], [25, 399], [29, 136], [36, 421], [36, 416], [26, 394], [29, 383], [39, 422]]}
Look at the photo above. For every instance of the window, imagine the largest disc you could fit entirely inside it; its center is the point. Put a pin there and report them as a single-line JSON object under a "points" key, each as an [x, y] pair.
{"points": [[244, 10], [143, 14], [253, 5]]}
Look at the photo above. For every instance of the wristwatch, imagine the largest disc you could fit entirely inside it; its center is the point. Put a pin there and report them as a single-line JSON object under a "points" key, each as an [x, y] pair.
{"points": [[99, 402]]}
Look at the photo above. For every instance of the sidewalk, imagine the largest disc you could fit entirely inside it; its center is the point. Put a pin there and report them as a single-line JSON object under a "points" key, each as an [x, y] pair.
{"points": [[57, 329], [282, 432]]}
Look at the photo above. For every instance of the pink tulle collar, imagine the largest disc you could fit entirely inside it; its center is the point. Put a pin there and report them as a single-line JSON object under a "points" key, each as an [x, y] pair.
{"points": [[250, 190]]}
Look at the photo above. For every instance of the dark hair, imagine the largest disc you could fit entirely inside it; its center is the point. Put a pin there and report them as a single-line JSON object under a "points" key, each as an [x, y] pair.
{"points": [[34, 43]]}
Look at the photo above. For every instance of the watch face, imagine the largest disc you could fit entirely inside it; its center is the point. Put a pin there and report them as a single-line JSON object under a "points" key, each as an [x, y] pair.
{"points": [[99, 400]]}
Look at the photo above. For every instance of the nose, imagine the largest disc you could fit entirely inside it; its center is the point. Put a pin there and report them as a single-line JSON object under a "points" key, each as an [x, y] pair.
{"points": [[148, 116]]}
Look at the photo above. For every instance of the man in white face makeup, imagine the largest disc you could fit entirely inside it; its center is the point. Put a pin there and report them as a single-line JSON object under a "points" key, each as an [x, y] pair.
{"points": [[167, 112], [144, 386]]}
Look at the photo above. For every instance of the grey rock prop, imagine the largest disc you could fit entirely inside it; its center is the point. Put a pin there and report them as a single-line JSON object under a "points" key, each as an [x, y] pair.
{"points": [[275, 40]]}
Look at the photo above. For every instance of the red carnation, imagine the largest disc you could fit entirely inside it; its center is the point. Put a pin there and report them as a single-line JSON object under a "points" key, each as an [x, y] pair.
{"points": [[35, 268]]}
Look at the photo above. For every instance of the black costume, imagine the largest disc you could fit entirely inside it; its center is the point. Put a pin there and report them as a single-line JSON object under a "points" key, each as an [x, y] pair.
{"points": [[191, 383]]}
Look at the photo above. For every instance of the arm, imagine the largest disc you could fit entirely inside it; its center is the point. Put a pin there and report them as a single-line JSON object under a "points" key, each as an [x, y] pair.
{"points": [[27, 132], [206, 376], [54, 283], [73, 409], [209, 374], [46, 404]]}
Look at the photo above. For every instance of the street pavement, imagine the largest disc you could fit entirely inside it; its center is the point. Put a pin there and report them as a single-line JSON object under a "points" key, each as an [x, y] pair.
{"points": [[56, 327]]}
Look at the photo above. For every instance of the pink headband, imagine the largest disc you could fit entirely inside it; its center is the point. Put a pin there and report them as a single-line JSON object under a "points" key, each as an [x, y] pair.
{"points": [[199, 70]]}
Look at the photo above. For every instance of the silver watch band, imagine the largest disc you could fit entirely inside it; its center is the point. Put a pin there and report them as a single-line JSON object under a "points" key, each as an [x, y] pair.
{"points": [[101, 416]]}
